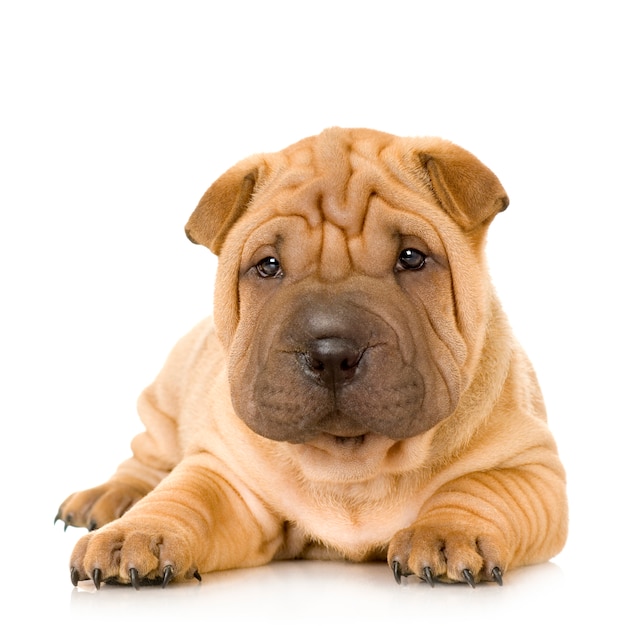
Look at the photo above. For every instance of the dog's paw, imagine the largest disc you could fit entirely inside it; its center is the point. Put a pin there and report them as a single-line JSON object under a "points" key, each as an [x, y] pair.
{"points": [[100, 505], [137, 553], [447, 554]]}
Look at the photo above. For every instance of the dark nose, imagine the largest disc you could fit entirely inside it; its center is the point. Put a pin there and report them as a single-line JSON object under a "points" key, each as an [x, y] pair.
{"points": [[332, 360]]}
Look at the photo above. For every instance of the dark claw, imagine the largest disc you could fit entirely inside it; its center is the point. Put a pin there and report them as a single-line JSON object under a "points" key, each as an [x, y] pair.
{"points": [[96, 576], [134, 578], [469, 578], [92, 525], [496, 572], [167, 575], [197, 576], [74, 575], [397, 572], [57, 518], [427, 575]]}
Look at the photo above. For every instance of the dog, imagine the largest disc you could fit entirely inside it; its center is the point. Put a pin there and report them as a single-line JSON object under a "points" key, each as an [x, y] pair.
{"points": [[358, 393]]}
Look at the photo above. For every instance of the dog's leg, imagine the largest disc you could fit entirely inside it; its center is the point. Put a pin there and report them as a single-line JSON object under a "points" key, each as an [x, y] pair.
{"points": [[95, 507], [483, 524], [194, 521]]}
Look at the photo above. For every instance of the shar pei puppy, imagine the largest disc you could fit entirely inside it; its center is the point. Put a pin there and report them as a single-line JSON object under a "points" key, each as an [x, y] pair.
{"points": [[358, 393]]}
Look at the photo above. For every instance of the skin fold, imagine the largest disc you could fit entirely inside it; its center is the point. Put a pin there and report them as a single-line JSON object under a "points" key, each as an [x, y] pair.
{"points": [[358, 393]]}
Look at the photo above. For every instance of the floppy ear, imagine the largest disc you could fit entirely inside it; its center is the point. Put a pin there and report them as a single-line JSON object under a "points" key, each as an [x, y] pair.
{"points": [[468, 190], [222, 204]]}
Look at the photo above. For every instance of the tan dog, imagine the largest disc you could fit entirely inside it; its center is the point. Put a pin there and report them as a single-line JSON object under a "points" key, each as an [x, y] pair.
{"points": [[359, 394]]}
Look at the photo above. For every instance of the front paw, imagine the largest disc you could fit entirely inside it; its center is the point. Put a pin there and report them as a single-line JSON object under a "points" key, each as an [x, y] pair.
{"points": [[137, 553], [100, 505], [446, 553]]}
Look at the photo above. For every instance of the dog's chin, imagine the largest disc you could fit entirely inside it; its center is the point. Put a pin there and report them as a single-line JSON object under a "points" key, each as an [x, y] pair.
{"points": [[339, 458]]}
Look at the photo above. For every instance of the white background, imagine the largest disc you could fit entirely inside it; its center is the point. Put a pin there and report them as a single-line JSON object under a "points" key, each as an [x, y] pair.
{"points": [[115, 118]]}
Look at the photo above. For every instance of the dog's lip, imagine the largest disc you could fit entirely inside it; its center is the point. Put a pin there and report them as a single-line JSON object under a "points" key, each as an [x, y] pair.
{"points": [[346, 441], [349, 440], [342, 429], [365, 448]]}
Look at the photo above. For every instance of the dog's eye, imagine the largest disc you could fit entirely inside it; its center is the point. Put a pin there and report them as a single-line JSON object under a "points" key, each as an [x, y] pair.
{"points": [[410, 259], [269, 267]]}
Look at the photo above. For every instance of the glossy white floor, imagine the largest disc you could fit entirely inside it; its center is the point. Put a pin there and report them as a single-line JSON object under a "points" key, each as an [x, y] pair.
{"points": [[576, 586], [116, 116]]}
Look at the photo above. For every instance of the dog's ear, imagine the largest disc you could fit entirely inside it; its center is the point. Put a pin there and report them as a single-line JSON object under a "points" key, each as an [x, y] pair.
{"points": [[468, 190], [222, 204]]}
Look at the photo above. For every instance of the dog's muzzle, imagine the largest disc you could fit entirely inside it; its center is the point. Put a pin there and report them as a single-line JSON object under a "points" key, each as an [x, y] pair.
{"points": [[345, 364]]}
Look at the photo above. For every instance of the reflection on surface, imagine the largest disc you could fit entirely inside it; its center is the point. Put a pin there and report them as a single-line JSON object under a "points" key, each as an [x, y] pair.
{"points": [[310, 591]]}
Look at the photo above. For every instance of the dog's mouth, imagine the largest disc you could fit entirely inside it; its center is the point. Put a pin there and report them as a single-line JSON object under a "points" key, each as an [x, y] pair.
{"points": [[343, 457], [342, 432], [349, 442], [343, 443]]}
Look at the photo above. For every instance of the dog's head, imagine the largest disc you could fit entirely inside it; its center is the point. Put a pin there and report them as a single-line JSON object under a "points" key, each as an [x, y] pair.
{"points": [[352, 292]]}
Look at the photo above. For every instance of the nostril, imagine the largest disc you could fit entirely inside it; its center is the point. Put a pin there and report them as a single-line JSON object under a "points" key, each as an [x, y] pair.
{"points": [[333, 359], [347, 365], [314, 364], [319, 366]]}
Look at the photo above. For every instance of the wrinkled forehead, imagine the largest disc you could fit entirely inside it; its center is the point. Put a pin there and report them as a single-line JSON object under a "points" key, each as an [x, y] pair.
{"points": [[333, 177]]}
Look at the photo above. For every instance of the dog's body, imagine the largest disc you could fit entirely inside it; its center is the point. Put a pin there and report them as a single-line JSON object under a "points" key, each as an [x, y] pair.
{"points": [[359, 394]]}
